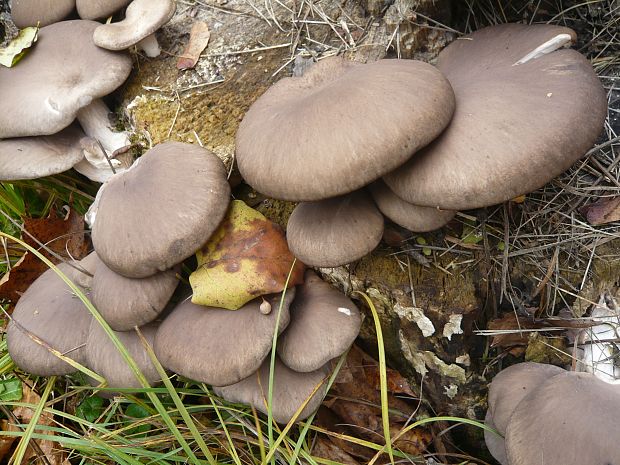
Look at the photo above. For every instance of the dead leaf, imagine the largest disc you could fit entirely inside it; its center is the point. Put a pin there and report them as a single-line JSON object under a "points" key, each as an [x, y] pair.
{"points": [[603, 211], [326, 449], [245, 258], [198, 41], [355, 408], [516, 341], [64, 236], [51, 451], [18, 47], [6, 443]]}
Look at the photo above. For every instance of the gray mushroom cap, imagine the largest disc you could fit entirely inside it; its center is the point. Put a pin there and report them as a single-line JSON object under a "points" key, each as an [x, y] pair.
{"points": [[506, 391], [335, 231], [180, 185], [571, 419], [64, 72], [290, 391], [216, 346], [304, 139], [30, 12], [36, 157], [128, 302], [324, 324], [51, 312], [142, 18], [412, 217], [518, 123], [103, 357], [96, 9]]}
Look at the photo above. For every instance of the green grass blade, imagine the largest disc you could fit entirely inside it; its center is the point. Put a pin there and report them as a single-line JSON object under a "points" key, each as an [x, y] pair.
{"points": [[118, 344], [272, 361], [20, 451], [177, 400], [385, 415]]}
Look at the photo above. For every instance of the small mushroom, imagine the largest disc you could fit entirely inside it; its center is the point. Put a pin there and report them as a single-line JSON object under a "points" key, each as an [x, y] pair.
{"points": [[216, 346], [324, 324], [36, 157], [97, 9], [142, 19], [103, 357], [571, 419], [304, 139], [412, 217], [335, 231], [128, 302], [290, 390], [178, 185], [49, 315], [506, 390]]}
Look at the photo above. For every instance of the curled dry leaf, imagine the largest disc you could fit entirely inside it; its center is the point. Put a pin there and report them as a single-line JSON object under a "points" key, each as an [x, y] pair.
{"points": [[516, 341], [326, 449], [15, 50], [603, 211], [53, 454], [198, 41], [245, 258], [355, 408], [64, 236]]}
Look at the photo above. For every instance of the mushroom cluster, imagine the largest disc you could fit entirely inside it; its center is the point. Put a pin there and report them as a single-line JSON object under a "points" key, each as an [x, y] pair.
{"points": [[132, 275], [141, 19], [506, 109], [540, 410], [53, 117]]}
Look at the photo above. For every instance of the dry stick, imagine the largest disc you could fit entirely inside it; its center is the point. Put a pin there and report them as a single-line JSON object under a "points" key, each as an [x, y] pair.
{"points": [[605, 171], [105, 154]]}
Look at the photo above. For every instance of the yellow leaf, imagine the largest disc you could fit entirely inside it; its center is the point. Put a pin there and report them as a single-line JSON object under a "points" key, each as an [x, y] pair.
{"points": [[16, 49], [246, 257]]}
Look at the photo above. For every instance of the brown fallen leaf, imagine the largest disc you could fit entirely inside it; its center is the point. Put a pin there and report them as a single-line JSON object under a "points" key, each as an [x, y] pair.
{"points": [[355, 408], [515, 342], [6, 443], [359, 363], [53, 454], [64, 236], [603, 211], [326, 449], [246, 257], [198, 40]]}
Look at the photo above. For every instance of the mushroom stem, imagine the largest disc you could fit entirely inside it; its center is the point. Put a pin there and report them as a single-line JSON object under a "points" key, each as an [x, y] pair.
{"points": [[551, 45], [94, 120], [149, 46]]}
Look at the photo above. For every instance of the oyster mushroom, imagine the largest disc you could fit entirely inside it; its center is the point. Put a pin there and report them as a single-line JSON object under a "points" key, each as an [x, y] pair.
{"points": [[180, 185], [521, 118], [142, 19], [216, 346], [335, 231], [304, 139]]}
